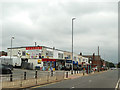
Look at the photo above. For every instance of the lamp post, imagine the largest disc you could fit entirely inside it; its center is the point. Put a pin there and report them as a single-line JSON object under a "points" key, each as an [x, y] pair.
{"points": [[72, 43], [11, 47]]}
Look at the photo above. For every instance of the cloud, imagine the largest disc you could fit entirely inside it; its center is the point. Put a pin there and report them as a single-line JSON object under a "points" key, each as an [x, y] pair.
{"points": [[49, 23]]}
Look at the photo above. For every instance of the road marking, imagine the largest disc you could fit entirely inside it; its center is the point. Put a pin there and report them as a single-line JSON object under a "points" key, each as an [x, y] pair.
{"points": [[90, 80], [73, 87], [117, 84], [45, 85]]}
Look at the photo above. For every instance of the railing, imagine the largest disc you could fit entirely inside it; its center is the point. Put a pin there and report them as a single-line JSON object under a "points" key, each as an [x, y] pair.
{"points": [[28, 79], [37, 78]]}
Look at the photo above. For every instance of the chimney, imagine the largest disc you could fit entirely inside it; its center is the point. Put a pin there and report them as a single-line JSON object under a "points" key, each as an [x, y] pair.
{"points": [[53, 48], [35, 44], [80, 53]]}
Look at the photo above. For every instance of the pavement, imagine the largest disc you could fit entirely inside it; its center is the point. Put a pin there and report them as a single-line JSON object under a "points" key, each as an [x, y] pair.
{"points": [[18, 74], [98, 80]]}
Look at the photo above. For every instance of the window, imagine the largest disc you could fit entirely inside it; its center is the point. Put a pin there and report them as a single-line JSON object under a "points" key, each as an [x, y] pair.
{"points": [[75, 58], [49, 53], [60, 55], [83, 60], [23, 53], [69, 56]]}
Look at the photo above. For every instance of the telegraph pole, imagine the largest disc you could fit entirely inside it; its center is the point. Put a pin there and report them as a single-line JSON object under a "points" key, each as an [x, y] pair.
{"points": [[98, 59]]}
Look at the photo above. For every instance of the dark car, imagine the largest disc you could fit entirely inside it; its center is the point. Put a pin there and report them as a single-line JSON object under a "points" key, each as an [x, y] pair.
{"points": [[5, 69]]}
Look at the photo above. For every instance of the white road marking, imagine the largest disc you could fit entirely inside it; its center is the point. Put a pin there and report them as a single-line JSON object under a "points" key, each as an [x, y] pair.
{"points": [[90, 80], [117, 84], [73, 87]]}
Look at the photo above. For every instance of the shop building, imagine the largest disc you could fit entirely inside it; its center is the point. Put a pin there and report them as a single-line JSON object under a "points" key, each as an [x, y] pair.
{"points": [[45, 58], [40, 56]]}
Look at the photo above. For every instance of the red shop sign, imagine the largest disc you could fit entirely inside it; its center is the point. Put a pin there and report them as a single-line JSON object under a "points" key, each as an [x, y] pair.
{"points": [[33, 48], [46, 59]]}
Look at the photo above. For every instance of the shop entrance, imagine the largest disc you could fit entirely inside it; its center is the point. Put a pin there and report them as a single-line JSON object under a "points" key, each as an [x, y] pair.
{"points": [[60, 64]]}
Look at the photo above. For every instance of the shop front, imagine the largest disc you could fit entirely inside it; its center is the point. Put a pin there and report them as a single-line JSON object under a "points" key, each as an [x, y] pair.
{"points": [[68, 64], [60, 64], [48, 64], [75, 65], [88, 68]]}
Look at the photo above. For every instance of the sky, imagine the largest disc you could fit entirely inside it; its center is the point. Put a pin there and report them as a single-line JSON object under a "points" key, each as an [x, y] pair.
{"points": [[48, 22]]}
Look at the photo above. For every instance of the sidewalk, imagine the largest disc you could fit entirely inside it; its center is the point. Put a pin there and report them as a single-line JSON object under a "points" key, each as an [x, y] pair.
{"points": [[70, 76]]}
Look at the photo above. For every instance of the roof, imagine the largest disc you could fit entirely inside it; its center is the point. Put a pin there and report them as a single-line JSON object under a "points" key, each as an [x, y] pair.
{"points": [[38, 46]]}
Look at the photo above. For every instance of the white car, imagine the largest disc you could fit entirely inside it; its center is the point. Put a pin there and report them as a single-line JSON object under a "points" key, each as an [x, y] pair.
{"points": [[113, 68]]}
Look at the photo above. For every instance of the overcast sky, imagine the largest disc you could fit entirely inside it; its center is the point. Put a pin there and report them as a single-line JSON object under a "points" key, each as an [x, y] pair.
{"points": [[48, 22]]}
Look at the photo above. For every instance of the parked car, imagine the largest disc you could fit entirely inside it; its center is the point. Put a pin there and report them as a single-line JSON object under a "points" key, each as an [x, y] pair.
{"points": [[103, 68], [5, 69], [95, 68], [113, 68]]}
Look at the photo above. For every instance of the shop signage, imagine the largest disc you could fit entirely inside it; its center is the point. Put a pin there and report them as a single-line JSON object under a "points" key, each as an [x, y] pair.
{"points": [[68, 61], [46, 59], [39, 61], [33, 48]]}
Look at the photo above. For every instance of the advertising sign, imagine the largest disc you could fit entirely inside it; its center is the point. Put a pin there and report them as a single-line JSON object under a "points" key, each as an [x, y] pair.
{"points": [[39, 61], [34, 52]]}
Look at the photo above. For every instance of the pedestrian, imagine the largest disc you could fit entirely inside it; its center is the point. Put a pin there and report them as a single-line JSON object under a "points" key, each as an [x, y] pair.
{"points": [[51, 71]]}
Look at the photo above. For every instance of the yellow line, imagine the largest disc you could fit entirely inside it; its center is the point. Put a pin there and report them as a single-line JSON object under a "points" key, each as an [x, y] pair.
{"points": [[45, 85], [117, 85]]}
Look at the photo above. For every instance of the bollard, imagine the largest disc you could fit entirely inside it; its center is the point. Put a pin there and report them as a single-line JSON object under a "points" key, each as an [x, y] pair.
{"points": [[24, 75], [48, 77], [36, 74], [11, 76], [66, 74], [51, 72], [83, 73], [71, 71], [75, 71]]}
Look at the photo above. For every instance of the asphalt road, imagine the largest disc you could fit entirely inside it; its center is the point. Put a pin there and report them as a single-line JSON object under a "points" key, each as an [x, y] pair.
{"points": [[102, 80]]}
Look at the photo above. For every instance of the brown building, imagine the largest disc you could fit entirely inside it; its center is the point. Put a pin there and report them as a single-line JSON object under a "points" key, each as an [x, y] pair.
{"points": [[95, 60]]}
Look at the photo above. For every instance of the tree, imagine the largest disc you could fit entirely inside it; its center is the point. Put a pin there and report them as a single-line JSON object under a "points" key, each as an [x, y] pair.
{"points": [[119, 65], [111, 65]]}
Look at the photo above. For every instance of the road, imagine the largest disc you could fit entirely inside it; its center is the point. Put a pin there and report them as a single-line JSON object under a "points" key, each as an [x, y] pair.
{"points": [[99, 80]]}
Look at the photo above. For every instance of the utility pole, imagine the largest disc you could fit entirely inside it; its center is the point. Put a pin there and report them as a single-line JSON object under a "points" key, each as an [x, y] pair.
{"points": [[98, 59], [11, 47], [72, 43]]}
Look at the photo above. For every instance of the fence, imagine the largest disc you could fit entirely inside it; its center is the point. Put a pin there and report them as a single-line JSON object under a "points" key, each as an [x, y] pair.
{"points": [[26, 80]]}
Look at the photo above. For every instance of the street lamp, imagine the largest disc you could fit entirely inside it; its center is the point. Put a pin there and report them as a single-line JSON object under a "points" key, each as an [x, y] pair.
{"points": [[11, 47], [72, 43]]}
